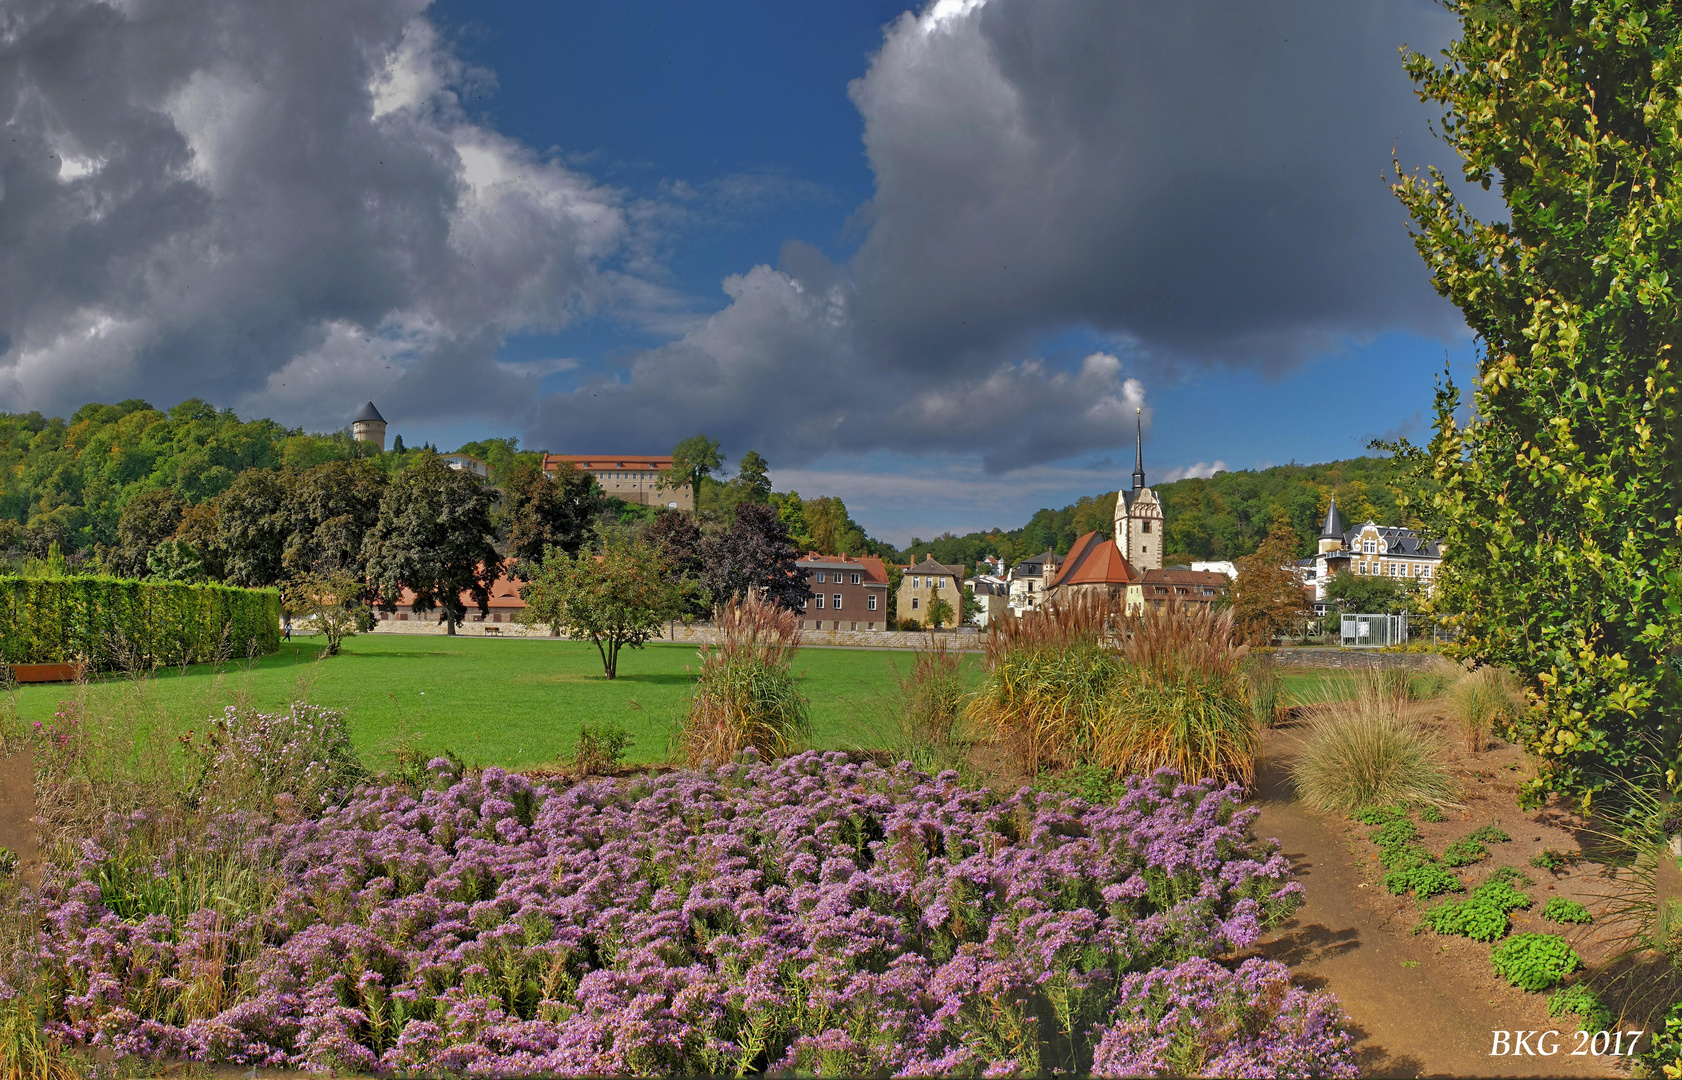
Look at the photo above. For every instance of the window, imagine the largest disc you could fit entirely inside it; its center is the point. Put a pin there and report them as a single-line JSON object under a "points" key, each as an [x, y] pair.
{"points": [[916, 583], [820, 601], [837, 604], [913, 603], [1147, 525], [1369, 547], [1363, 569], [870, 601], [855, 579], [820, 577]]}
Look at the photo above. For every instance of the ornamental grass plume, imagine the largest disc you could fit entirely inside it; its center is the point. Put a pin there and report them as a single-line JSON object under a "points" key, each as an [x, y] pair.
{"points": [[1484, 701], [1363, 751], [1049, 677], [1184, 702], [746, 695]]}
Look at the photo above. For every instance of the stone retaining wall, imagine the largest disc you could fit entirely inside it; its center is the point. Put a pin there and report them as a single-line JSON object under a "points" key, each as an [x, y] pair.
{"points": [[703, 634], [1331, 656]]}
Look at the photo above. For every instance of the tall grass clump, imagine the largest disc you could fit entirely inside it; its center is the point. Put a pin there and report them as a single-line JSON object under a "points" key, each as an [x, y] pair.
{"points": [[930, 715], [1184, 702], [1264, 687], [746, 693], [1484, 701], [1050, 677], [1364, 751]]}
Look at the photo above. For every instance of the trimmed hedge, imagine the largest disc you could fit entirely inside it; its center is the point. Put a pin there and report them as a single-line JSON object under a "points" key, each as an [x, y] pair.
{"points": [[117, 623]]}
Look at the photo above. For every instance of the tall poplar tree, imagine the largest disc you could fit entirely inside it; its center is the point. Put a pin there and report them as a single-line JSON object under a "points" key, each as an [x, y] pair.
{"points": [[1557, 500]]}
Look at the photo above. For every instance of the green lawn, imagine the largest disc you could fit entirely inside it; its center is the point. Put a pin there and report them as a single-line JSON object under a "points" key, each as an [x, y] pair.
{"points": [[517, 703]]}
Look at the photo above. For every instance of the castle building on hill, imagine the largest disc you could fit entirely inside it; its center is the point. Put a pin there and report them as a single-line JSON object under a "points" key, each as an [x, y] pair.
{"points": [[1138, 514], [1372, 550]]}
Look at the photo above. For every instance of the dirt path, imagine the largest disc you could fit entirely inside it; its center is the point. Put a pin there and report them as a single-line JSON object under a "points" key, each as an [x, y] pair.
{"points": [[1420, 1007]]}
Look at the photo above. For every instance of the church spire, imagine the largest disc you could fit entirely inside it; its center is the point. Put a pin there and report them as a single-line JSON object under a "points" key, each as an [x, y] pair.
{"points": [[1139, 455]]}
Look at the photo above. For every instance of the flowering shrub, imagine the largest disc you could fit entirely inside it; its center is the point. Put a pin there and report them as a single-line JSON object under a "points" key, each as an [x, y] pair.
{"points": [[818, 914], [1199, 1019], [249, 759]]}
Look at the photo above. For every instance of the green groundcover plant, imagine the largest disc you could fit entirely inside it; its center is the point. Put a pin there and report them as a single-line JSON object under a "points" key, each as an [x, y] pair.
{"points": [[1534, 961]]}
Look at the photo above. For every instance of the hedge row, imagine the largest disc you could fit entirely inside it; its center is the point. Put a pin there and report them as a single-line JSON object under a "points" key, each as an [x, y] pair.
{"points": [[114, 623]]}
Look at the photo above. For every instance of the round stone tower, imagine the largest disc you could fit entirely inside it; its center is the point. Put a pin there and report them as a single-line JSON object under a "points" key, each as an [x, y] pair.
{"points": [[369, 427]]}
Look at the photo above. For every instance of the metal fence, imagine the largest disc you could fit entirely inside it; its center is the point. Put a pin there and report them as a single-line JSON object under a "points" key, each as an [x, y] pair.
{"points": [[1374, 631]]}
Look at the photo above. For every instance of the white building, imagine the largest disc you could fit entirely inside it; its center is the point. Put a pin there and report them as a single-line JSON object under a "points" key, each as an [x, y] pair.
{"points": [[1138, 514]]}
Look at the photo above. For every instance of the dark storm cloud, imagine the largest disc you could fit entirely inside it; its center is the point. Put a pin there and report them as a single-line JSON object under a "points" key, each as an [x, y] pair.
{"points": [[275, 206], [1204, 182]]}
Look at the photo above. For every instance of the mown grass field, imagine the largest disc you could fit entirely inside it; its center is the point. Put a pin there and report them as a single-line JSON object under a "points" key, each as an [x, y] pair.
{"points": [[517, 703]]}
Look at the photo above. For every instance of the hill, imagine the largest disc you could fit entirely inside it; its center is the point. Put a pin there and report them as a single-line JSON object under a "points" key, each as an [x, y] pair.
{"points": [[1223, 517]]}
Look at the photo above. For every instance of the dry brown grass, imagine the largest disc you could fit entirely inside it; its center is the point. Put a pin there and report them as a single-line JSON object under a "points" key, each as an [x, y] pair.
{"points": [[745, 694], [1366, 751]]}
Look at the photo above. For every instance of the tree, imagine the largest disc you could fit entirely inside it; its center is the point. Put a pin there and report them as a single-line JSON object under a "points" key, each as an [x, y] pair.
{"points": [[1267, 597], [329, 510], [679, 542], [971, 605], [826, 523], [1368, 594], [433, 537], [1557, 501], [753, 476], [252, 527], [693, 460], [175, 560], [332, 602], [150, 518], [754, 553], [617, 597], [940, 612], [539, 512], [198, 531]]}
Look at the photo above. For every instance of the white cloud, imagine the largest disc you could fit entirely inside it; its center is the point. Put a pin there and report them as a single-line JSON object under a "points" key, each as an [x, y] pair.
{"points": [[1202, 470]]}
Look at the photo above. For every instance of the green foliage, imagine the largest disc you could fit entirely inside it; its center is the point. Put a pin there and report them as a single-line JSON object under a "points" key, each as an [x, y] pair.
{"points": [[1367, 594], [693, 460], [538, 512], [1464, 852], [1365, 751], [1561, 910], [1481, 916], [1584, 1003], [1411, 868], [332, 604], [1424, 880], [175, 560], [1261, 675], [1664, 1053], [1534, 961], [1551, 860], [600, 747], [1490, 834], [1556, 499], [939, 613], [128, 625], [8, 860], [433, 537], [1430, 813], [617, 598]]}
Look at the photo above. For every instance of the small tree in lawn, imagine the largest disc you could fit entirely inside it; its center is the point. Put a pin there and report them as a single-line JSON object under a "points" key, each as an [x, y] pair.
{"points": [[940, 612], [331, 601], [617, 597], [433, 537], [1267, 597]]}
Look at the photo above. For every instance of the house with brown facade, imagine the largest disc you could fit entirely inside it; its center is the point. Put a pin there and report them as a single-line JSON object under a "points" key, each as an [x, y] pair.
{"points": [[1175, 585], [629, 478], [925, 582], [847, 593]]}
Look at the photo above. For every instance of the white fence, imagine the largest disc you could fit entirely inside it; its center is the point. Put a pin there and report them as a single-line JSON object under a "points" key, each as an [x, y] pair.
{"points": [[1374, 631]]}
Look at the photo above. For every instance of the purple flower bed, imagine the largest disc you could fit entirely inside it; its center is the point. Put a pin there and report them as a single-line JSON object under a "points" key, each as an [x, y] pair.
{"points": [[815, 914]]}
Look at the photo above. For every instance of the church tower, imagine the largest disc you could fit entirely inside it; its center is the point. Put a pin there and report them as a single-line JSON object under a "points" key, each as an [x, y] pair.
{"points": [[1138, 515], [1331, 533]]}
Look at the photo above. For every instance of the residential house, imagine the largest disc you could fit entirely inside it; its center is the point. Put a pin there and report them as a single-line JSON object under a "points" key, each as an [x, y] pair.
{"points": [[1138, 513], [632, 479], [925, 582], [1176, 585], [1370, 549], [1095, 567], [505, 604], [468, 463], [848, 593], [1029, 578], [992, 595]]}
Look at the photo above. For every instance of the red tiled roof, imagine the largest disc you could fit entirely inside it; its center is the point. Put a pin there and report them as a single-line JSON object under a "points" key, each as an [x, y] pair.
{"points": [[609, 461], [1095, 560], [505, 596]]}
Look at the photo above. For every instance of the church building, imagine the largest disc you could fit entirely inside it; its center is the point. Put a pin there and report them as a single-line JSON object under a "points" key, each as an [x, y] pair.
{"points": [[1138, 514]]}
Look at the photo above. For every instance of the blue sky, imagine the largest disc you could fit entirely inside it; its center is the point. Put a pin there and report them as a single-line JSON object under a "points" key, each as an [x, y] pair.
{"points": [[929, 259]]}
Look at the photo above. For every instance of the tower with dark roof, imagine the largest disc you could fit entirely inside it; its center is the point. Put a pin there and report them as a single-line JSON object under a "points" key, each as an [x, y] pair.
{"points": [[369, 427], [1331, 533], [1138, 514]]}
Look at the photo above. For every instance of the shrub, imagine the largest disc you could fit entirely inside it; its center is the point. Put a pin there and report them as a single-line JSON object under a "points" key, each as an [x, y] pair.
{"points": [[1481, 916], [1484, 701], [1561, 910], [1199, 1019], [1534, 961], [746, 694], [250, 760], [113, 623], [1363, 751], [813, 914], [1585, 1003], [1261, 674], [600, 747]]}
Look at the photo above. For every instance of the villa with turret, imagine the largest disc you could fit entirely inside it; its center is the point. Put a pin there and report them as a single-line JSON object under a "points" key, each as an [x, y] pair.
{"points": [[1370, 549]]}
